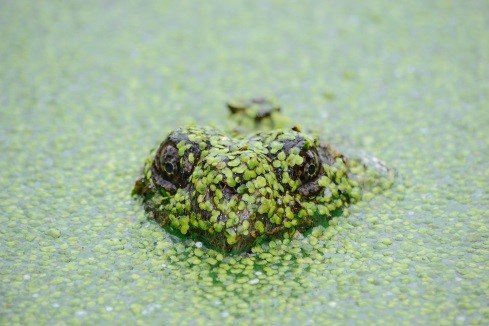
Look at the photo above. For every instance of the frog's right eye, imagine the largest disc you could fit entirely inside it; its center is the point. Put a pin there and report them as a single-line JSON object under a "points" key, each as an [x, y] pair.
{"points": [[168, 162], [172, 167], [166, 167], [169, 167]]}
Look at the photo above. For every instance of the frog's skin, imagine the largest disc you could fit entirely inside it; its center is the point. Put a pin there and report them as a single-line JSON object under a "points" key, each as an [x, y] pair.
{"points": [[233, 192]]}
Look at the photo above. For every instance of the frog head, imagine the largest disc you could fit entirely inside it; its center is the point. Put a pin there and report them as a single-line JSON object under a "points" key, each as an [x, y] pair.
{"points": [[232, 192]]}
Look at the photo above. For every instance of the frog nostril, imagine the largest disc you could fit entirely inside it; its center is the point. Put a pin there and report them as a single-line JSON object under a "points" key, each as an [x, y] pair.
{"points": [[227, 190]]}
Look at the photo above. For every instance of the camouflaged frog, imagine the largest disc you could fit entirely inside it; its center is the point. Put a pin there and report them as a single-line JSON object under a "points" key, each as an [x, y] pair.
{"points": [[233, 190]]}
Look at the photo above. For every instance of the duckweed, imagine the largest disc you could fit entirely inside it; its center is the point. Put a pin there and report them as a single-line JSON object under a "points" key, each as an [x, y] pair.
{"points": [[87, 88]]}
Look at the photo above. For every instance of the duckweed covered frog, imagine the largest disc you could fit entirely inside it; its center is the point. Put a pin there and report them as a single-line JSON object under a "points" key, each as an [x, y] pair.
{"points": [[233, 190]]}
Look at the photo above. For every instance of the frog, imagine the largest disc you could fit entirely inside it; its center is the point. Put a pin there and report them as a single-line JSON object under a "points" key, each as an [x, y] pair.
{"points": [[258, 180]]}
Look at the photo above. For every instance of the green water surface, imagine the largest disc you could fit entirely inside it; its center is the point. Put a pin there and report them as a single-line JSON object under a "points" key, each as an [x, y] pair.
{"points": [[88, 87]]}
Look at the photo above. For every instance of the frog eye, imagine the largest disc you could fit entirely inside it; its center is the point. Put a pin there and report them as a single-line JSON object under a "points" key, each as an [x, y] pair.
{"points": [[311, 169], [169, 167], [166, 167], [311, 166], [175, 160], [168, 160]]}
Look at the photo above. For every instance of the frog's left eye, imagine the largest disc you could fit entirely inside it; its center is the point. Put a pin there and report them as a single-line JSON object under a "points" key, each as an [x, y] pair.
{"points": [[309, 172], [311, 169], [311, 166]]}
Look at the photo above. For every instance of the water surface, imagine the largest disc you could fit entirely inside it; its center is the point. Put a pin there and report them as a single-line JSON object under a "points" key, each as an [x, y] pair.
{"points": [[87, 89]]}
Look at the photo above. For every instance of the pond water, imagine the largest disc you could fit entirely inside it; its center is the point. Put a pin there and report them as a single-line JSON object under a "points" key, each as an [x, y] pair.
{"points": [[88, 88]]}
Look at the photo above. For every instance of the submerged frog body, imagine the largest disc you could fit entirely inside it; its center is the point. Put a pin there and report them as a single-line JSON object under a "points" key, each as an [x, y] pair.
{"points": [[233, 192]]}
